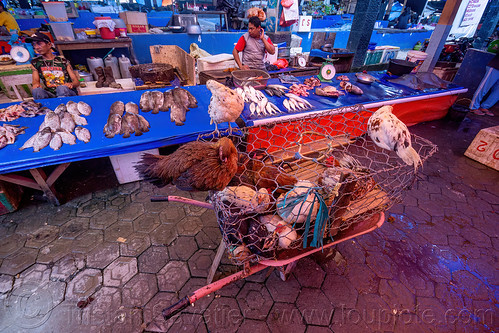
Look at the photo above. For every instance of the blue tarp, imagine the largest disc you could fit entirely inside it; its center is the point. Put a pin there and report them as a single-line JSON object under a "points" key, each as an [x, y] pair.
{"points": [[375, 92], [162, 132]]}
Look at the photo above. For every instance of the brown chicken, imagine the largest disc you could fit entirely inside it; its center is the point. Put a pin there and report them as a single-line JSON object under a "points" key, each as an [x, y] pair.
{"points": [[253, 170], [195, 166]]}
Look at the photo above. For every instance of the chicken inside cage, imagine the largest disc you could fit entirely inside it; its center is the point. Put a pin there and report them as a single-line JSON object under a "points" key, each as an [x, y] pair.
{"points": [[301, 182]]}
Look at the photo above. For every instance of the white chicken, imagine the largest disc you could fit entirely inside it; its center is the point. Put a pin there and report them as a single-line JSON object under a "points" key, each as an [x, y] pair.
{"points": [[226, 105], [388, 132], [245, 198]]}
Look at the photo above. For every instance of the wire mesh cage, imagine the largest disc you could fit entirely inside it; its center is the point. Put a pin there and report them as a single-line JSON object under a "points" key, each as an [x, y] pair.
{"points": [[300, 182]]}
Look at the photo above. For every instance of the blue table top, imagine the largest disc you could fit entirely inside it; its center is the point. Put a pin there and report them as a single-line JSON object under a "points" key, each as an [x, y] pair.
{"points": [[162, 132], [375, 92]]}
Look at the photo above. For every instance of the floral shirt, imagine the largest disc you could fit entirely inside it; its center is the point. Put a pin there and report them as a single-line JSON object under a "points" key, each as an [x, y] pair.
{"points": [[53, 72]]}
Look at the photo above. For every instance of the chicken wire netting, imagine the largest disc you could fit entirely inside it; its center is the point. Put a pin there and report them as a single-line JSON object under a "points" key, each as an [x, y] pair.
{"points": [[301, 182]]}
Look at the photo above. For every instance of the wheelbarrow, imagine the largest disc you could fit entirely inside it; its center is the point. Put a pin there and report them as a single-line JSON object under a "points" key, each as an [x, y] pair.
{"points": [[285, 261]]}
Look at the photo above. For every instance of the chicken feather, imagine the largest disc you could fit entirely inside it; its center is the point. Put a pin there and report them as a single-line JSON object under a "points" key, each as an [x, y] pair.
{"points": [[226, 104], [388, 132]]}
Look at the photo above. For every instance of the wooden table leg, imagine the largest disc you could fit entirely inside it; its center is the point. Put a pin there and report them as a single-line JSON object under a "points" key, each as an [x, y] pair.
{"points": [[216, 262], [40, 177]]}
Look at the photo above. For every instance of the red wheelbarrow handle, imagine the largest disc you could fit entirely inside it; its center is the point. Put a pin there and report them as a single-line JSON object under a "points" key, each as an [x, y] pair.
{"points": [[176, 308]]}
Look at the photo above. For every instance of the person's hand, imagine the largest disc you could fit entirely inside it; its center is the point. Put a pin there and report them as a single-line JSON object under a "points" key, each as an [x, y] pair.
{"points": [[36, 86], [262, 33], [69, 85], [245, 67]]}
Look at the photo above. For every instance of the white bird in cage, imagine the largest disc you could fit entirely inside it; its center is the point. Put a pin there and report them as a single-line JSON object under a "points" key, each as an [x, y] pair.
{"points": [[275, 224], [226, 104], [388, 132]]}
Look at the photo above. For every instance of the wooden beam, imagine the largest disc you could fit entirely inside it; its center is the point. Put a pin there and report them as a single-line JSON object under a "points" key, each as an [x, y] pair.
{"points": [[56, 173], [20, 180], [40, 177]]}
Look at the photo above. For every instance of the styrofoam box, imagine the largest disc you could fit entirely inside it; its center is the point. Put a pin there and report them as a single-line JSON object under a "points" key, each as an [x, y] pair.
{"points": [[218, 61], [124, 165]]}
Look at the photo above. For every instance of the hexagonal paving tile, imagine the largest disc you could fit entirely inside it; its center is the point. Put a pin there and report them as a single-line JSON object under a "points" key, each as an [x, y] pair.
{"points": [[54, 251], [163, 235], [35, 275], [397, 296], [190, 323], [309, 273], [223, 315], [252, 326], [192, 285], [103, 255], [84, 284], [283, 291], [87, 241], [6, 283], [182, 248], [191, 210], [315, 307], [18, 261], [131, 211], [377, 315], [90, 208], [11, 244], [74, 227], [382, 265], [189, 226], [118, 202], [67, 267], [200, 263], [121, 229], [254, 301], [146, 223], [104, 219], [171, 214], [135, 245], [120, 271], [285, 317], [339, 291], [209, 238], [362, 278], [209, 219], [153, 312], [61, 215], [154, 207], [139, 290], [173, 276], [104, 308], [42, 236], [153, 259], [350, 320], [128, 188]]}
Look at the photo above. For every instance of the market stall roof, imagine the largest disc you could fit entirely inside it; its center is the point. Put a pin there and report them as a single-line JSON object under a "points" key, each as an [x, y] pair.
{"points": [[162, 132]]}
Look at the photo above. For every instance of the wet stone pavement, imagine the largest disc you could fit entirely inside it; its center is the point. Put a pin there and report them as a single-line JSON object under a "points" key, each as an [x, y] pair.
{"points": [[112, 260]]}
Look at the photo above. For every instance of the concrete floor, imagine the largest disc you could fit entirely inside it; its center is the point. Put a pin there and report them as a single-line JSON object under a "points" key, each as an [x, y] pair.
{"points": [[432, 266]]}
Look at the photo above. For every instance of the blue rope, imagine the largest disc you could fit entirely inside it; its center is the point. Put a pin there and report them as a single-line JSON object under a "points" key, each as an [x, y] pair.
{"points": [[286, 207]]}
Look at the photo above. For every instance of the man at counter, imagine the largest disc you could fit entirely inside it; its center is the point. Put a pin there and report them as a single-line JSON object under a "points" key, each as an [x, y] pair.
{"points": [[7, 21], [56, 72], [253, 45]]}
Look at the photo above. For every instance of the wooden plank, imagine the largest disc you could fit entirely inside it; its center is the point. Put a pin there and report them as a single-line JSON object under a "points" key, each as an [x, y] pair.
{"points": [[56, 173], [216, 261], [371, 200], [20, 180], [310, 148], [485, 147], [49, 191]]}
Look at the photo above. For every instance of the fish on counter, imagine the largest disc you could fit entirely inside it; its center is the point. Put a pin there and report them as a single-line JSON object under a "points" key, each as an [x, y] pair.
{"points": [[56, 142], [328, 91], [113, 125], [26, 109], [143, 124], [179, 101], [8, 134], [60, 108], [82, 134], [157, 99], [131, 107], [130, 125], [42, 139], [84, 108], [67, 121], [52, 120], [146, 102], [351, 88], [118, 108], [67, 137]]}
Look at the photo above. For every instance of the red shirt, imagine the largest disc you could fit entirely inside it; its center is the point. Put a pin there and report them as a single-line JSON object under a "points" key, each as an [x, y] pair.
{"points": [[241, 43]]}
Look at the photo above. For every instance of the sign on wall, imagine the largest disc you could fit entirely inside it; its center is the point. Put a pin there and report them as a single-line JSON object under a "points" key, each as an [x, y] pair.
{"points": [[305, 23], [473, 12]]}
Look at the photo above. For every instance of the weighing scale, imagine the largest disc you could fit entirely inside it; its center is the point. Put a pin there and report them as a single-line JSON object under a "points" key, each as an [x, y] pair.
{"points": [[327, 71]]}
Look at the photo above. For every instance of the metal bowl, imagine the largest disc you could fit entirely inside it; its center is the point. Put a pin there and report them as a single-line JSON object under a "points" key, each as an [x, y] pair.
{"points": [[194, 29], [365, 78]]}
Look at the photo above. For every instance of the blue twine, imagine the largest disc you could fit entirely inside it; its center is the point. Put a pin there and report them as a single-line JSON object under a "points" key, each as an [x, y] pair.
{"points": [[285, 207]]}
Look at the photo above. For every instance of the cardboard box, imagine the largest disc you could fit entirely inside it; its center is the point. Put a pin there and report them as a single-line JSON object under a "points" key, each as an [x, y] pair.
{"points": [[10, 196], [136, 22], [485, 147], [124, 165], [175, 56]]}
